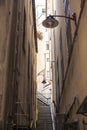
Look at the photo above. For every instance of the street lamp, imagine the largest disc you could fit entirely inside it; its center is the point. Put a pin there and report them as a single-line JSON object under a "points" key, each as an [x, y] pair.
{"points": [[51, 22], [44, 81]]}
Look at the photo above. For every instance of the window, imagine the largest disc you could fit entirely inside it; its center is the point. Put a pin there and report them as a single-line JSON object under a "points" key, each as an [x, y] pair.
{"points": [[69, 35], [68, 25], [43, 10], [47, 59], [47, 46], [24, 31], [66, 6]]}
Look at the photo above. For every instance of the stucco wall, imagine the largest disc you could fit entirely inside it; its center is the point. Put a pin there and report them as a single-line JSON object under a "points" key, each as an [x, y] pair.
{"points": [[75, 83], [17, 64]]}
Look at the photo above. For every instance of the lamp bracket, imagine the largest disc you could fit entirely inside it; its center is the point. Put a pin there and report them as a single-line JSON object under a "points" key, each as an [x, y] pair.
{"points": [[67, 17], [51, 22]]}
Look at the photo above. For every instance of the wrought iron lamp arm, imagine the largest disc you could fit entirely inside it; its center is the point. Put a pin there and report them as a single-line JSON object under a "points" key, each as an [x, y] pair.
{"points": [[68, 17], [72, 18]]}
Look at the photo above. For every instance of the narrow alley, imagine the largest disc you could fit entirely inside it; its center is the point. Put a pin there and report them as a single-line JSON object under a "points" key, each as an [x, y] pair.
{"points": [[44, 114], [43, 66]]}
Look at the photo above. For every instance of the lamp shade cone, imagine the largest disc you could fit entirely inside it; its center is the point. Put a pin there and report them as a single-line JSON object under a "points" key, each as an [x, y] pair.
{"points": [[50, 22]]}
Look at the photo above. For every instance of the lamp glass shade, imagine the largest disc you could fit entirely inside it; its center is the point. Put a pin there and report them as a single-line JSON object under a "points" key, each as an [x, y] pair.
{"points": [[50, 22]]}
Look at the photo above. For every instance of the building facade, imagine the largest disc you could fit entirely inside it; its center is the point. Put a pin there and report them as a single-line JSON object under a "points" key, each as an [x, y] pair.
{"points": [[69, 65], [18, 48]]}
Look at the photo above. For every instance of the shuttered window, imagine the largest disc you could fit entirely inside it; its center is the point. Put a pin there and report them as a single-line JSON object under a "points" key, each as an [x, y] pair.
{"points": [[68, 25], [24, 31], [61, 54]]}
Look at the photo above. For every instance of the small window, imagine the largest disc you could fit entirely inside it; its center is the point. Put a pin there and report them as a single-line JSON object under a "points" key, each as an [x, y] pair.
{"points": [[47, 46], [66, 6], [47, 59], [68, 25], [48, 74], [24, 31], [43, 10], [69, 35]]}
